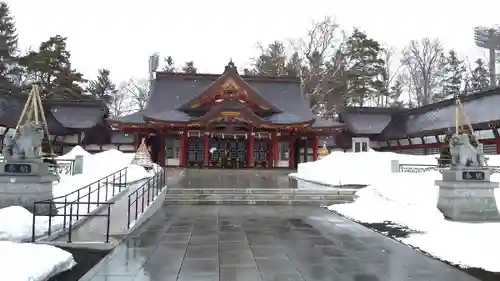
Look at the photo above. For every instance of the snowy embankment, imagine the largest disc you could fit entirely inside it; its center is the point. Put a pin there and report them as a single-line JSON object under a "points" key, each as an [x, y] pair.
{"points": [[37, 262], [408, 200]]}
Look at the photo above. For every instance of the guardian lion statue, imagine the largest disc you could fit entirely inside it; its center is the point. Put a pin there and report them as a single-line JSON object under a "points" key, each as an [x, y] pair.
{"points": [[463, 153], [26, 143]]}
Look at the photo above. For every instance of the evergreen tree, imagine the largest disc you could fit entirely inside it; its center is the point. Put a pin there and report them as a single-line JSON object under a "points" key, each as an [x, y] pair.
{"points": [[169, 64], [365, 68], [272, 60], [50, 67], [453, 71], [8, 50], [189, 67], [480, 75], [102, 87]]}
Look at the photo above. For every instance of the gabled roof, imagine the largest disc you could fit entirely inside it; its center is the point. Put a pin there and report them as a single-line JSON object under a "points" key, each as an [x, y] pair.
{"points": [[232, 78]]}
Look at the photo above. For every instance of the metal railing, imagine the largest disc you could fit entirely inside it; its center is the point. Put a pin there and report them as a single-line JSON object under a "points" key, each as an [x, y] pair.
{"points": [[144, 195], [91, 196], [62, 166], [422, 168]]}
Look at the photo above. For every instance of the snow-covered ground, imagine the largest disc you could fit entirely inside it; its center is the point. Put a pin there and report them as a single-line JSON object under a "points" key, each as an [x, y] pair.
{"points": [[409, 200], [16, 222]]}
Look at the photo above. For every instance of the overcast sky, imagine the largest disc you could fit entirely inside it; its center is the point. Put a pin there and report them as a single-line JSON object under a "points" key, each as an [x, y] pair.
{"points": [[120, 35]]}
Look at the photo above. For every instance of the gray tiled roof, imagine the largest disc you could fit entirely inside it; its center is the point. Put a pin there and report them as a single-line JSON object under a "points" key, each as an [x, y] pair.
{"points": [[321, 123], [480, 108], [133, 118], [62, 117], [172, 91], [369, 123]]}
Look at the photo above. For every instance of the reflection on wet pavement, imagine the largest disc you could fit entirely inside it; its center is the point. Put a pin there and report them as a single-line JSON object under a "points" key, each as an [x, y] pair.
{"points": [[238, 243]]}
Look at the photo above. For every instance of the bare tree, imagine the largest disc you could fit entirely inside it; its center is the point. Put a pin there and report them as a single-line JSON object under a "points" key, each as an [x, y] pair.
{"points": [[322, 45], [138, 92], [422, 61], [119, 103], [392, 75]]}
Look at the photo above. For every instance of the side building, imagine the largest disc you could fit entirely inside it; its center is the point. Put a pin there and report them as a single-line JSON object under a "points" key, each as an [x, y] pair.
{"points": [[70, 122], [421, 131]]}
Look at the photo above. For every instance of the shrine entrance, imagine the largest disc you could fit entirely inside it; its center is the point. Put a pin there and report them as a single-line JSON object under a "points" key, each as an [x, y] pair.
{"points": [[228, 152]]}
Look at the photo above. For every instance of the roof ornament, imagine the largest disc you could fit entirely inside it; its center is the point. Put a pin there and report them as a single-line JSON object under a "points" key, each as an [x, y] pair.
{"points": [[230, 67]]}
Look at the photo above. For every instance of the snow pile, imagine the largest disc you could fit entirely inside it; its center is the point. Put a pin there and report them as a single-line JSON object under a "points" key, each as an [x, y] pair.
{"points": [[409, 200], [75, 151], [341, 168], [30, 262]]}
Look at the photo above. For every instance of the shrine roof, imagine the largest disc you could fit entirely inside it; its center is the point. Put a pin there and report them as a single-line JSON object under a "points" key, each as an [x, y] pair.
{"points": [[170, 91], [480, 108], [63, 116]]}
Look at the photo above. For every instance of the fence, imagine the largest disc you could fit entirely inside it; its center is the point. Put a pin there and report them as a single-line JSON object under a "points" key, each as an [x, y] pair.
{"points": [[90, 197], [144, 195], [397, 167]]}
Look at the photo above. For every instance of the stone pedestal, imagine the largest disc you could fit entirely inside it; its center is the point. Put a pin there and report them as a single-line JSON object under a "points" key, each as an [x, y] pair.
{"points": [[467, 194], [24, 182]]}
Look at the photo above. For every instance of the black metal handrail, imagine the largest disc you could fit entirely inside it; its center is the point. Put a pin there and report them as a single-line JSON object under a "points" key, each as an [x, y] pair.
{"points": [[145, 194], [83, 196]]}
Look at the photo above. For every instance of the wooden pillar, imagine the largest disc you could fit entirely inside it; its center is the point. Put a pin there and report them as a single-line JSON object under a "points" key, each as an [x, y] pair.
{"points": [[137, 139], [315, 148], [291, 158], [270, 154], [183, 150], [276, 150], [250, 150], [206, 148], [161, 154]]}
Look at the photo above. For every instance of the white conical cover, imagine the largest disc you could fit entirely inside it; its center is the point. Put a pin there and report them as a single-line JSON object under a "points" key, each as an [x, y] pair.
{"points": [[142, 157]]}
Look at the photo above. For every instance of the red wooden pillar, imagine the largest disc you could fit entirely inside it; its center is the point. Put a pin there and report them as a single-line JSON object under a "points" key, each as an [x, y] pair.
{"points": [[206, 144], [291, 158], [276, 150], [270, 152], [251, 150], [315, 148], [137, 139], [182, 148], [161, 154]]}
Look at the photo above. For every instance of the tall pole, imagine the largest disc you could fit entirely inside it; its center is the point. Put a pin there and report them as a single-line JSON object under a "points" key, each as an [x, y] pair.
{"points": [[489, 38]]}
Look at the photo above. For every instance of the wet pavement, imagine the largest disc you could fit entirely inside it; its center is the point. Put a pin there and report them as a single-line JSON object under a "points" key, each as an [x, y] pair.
{"points": [[239, 243]]}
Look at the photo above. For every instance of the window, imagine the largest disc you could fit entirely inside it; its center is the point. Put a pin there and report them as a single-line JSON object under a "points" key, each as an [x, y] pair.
{"points": [[357, 147], [364, 147]]}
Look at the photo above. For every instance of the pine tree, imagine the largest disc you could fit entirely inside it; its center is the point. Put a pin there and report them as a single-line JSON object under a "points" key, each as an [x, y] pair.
{"points": [[189, 67], [8, 50], [102, 87], [272, 60], [454, 71], [365, 69], [50, 67], [480, 75]]}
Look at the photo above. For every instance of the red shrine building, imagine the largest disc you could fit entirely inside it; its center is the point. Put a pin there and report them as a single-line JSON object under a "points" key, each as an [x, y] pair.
{"points": [[228, 121]]}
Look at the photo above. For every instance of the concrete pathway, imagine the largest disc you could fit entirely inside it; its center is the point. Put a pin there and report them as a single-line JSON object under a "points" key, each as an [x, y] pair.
{"points": [[239, 243]]}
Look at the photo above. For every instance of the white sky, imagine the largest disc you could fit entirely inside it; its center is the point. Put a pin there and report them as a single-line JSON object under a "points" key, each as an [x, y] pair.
{"points": [[120, 35]]}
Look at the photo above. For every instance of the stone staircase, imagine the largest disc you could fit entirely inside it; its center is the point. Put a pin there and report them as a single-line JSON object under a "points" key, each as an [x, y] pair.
{"points": [[253, 196]]}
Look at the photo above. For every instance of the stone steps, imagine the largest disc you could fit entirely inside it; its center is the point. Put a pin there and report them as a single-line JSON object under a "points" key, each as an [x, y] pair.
{"points": [[277, 196]]}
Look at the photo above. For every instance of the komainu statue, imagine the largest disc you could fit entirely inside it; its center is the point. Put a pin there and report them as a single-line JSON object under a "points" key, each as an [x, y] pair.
{"points": [[26, 144], [463, 153]]}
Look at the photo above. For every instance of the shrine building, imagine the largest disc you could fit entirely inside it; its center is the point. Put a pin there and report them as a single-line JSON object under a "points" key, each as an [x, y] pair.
{"points": [[422, 130], [228, 121]]}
